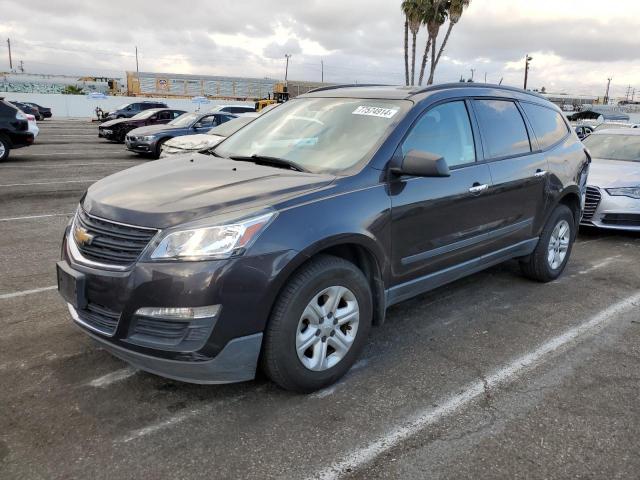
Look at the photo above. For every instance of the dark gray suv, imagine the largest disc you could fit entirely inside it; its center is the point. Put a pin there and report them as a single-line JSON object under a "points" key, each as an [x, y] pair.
{"points": [[285, 243]]}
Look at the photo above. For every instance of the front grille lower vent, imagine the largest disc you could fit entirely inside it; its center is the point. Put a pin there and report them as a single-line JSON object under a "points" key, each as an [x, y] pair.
{"points": [[592, 203]]}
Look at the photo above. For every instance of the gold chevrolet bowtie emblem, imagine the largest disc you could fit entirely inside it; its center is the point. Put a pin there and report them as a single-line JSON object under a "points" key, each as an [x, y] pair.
{"points": [[82, 237]]}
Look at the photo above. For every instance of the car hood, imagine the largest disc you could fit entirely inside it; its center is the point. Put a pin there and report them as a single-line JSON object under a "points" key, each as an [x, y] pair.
{"points": [[186, 187], [152, 129], [194, 142], [614, 173], [111, 123]]}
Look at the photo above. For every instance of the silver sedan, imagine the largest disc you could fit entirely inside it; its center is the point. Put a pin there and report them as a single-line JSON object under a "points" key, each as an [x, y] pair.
{"points": [[613, 191]]}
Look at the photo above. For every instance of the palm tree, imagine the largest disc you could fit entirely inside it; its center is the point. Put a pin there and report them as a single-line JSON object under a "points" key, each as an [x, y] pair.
{"points": [[437, 17], [413, 13], [406, 50], [427, 12], [456, 9]]}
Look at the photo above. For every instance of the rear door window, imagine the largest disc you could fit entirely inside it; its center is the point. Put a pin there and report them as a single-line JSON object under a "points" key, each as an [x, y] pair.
{"points": [[548, 124], [503, 129], [446, 131]]}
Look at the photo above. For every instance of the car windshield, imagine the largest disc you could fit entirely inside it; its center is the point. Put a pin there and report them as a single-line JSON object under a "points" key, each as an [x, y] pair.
{"points": [[319, 134], [614, 147], [229, 128], [123, 106], [144, 115], [184, 120]]}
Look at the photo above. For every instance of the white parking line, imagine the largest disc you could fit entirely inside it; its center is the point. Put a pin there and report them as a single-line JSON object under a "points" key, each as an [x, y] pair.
{"points": [[31, 217], [5, 296], [46, 183], [58, 165], [113, 377], [429, 416]]}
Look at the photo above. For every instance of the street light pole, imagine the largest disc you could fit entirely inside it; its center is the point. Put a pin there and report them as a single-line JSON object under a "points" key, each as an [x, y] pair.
{"points": [[526, 70], [606, 95], [10, 61], [286, 68]]}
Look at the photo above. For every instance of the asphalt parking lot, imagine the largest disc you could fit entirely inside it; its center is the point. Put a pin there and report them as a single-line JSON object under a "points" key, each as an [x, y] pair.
{"points": [[490, 377]]}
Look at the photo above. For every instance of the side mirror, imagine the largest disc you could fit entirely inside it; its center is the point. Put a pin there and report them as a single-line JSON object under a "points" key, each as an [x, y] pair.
{"points": [[423, 164]]}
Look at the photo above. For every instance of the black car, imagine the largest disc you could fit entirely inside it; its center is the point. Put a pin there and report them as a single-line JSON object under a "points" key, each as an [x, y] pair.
{"points": [[286, 242], [14, 129], [116, 130], [148, 140], [129, 110], [45, 112], [28, 109]]}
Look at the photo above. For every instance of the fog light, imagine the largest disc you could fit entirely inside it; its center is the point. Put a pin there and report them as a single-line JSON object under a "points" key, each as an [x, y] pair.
{"points": [[182, 313]]}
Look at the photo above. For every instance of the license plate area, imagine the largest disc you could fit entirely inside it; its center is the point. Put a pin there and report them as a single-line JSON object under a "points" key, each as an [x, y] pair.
{"points": [[72, 285]]}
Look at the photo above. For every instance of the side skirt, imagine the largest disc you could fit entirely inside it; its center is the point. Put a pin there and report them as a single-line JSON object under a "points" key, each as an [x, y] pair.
{"points": [[434, 280]]}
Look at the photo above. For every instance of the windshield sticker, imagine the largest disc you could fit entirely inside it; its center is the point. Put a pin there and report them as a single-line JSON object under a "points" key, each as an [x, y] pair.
{"points": [[375, 111]]}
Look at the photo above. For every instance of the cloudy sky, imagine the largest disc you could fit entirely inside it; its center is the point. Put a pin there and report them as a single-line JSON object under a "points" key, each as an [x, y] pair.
{"points": [[576, 44]]}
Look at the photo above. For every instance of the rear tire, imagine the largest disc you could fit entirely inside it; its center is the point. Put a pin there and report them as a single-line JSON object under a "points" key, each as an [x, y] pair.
{"points": [[5, 147], [549, 259], [328, 305]]}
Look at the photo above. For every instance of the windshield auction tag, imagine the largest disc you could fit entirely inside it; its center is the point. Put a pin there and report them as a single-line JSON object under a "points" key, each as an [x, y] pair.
{"points": [[375, 111]]}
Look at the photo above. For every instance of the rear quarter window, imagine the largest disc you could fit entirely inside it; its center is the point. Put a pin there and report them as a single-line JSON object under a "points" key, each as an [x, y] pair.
{"points": [[548, 125], [503, 129]]}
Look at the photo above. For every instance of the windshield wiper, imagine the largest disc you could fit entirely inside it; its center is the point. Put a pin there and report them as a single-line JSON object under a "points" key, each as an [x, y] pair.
{"points": [[274, 161]]}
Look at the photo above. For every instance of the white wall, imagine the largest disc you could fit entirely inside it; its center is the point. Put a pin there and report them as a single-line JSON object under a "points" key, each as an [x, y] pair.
{"points": [[79, 106]]}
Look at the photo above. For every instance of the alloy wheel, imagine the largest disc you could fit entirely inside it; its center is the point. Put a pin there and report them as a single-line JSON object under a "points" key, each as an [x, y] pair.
{"points": [[327, 328], [559, 244]]}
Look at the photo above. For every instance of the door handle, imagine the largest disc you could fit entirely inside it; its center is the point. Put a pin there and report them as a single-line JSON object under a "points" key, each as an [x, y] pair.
{"points": [[478, 188], [540, 173]]}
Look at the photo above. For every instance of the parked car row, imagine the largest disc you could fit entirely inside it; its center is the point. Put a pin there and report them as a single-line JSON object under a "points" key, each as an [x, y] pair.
{"points": [[39, 112], [146, 132], [17, 129]]}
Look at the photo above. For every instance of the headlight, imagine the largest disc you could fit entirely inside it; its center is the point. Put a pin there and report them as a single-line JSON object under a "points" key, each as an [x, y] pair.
{"points": [[220, 241], [148, 138], [633, 192]]}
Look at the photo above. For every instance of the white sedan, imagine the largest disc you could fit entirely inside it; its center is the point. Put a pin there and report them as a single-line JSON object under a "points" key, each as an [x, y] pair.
{"points": [[194, 143]]}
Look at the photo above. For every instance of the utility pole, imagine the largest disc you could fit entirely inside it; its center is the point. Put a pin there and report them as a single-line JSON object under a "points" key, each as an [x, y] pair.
{"points": [[322, 70], [21, 67], [286, 68], [633, 95], [10, 61], [526, 70], [473, 71], [137, 70], [485, 77], [606, 95]]}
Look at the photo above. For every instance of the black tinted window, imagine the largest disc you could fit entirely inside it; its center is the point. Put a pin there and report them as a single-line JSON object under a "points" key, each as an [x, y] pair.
{"points": [[503, 128], [444, 130], [548, 125]]}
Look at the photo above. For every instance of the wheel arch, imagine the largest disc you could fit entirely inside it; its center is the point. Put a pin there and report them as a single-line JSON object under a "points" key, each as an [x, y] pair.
{"points": [[358, 249]]}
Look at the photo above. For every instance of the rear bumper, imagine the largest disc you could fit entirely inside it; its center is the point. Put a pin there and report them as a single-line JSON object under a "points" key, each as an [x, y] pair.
{"points": [[21, 139], [236, 362]]}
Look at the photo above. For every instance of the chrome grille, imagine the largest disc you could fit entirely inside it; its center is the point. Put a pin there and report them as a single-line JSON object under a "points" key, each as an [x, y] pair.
{"points": [[591, 204], [112, 243]]}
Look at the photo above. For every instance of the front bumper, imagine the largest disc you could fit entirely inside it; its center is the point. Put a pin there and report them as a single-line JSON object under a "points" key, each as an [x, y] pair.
{"points": [[139, 146], [226, 349], [614, 212], [236, 362]]}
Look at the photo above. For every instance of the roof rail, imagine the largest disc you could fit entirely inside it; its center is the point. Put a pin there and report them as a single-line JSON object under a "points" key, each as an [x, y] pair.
{"points": [[442, 86], [347, 85]]}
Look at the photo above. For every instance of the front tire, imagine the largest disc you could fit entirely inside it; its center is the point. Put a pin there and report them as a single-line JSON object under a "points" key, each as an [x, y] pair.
{"points": [[5, 147], [319, 325], [549, 259]]}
